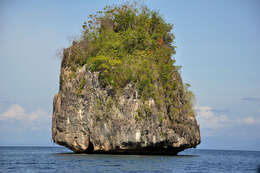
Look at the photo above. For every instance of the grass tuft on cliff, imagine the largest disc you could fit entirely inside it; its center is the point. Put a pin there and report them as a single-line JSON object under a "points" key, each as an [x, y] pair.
{"points": [[130, 43]]}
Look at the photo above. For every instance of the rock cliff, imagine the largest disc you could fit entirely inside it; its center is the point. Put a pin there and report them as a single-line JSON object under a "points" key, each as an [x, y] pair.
{"points": [[90, 117], [96, 122]]}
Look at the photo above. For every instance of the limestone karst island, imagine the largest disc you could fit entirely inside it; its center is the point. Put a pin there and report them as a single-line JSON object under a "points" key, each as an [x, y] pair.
{"points": [[120, 90]]}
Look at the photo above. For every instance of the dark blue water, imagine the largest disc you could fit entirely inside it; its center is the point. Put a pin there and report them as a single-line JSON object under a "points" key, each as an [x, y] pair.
{"points": [[56, 159]]}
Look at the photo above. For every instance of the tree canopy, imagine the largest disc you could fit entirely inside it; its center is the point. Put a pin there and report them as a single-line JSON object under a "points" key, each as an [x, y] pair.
{"points": [[129, 43]]}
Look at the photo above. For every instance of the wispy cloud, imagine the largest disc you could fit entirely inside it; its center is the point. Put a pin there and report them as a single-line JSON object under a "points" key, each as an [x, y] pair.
{"points": [[250, 120], [251, 99], [14, 112], [209, 119], [34, 120], [21, 127], [220, 110]]}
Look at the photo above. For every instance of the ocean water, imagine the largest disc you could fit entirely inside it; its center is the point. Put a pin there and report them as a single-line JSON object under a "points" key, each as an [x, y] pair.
{"points": [[58, 159]]}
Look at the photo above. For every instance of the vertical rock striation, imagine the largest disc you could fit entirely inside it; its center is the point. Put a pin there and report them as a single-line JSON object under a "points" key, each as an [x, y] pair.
{"points": [[98, 121]]}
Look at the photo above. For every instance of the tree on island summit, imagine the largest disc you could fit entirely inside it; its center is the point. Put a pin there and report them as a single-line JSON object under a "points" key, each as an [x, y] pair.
{"points": [[126, 44]]}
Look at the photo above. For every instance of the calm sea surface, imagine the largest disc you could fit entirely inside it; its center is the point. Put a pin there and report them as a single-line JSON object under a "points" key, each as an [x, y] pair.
{"points": [[56, 159]]}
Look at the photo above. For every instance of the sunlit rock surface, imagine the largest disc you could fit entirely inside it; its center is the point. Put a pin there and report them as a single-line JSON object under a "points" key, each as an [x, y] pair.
{"points": [[91, 119]]}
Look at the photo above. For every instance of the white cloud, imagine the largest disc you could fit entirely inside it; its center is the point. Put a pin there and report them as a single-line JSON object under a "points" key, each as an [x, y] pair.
{"points": [[21, 127], [14, 112], [210, 120], [250, 120], [34, 120]]}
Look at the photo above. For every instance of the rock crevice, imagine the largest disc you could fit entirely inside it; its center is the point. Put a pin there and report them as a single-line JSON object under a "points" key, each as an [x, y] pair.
{"points": [[91, 118]]}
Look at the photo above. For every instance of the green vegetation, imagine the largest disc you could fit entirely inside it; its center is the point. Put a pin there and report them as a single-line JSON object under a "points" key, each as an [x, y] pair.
{"points": [[128, 43], [81, 86], [72, 75]]}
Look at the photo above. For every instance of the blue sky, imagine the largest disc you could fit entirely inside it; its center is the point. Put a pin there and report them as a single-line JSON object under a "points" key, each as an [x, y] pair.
{"points": [[218, 47]]}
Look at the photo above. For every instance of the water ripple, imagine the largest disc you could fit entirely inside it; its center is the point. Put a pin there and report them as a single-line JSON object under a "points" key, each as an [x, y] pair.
{"points": [[55, 160]]}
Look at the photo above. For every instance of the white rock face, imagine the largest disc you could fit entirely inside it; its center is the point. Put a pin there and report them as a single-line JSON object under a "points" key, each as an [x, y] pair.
{"points": [[137, 136], [92, 120]]}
